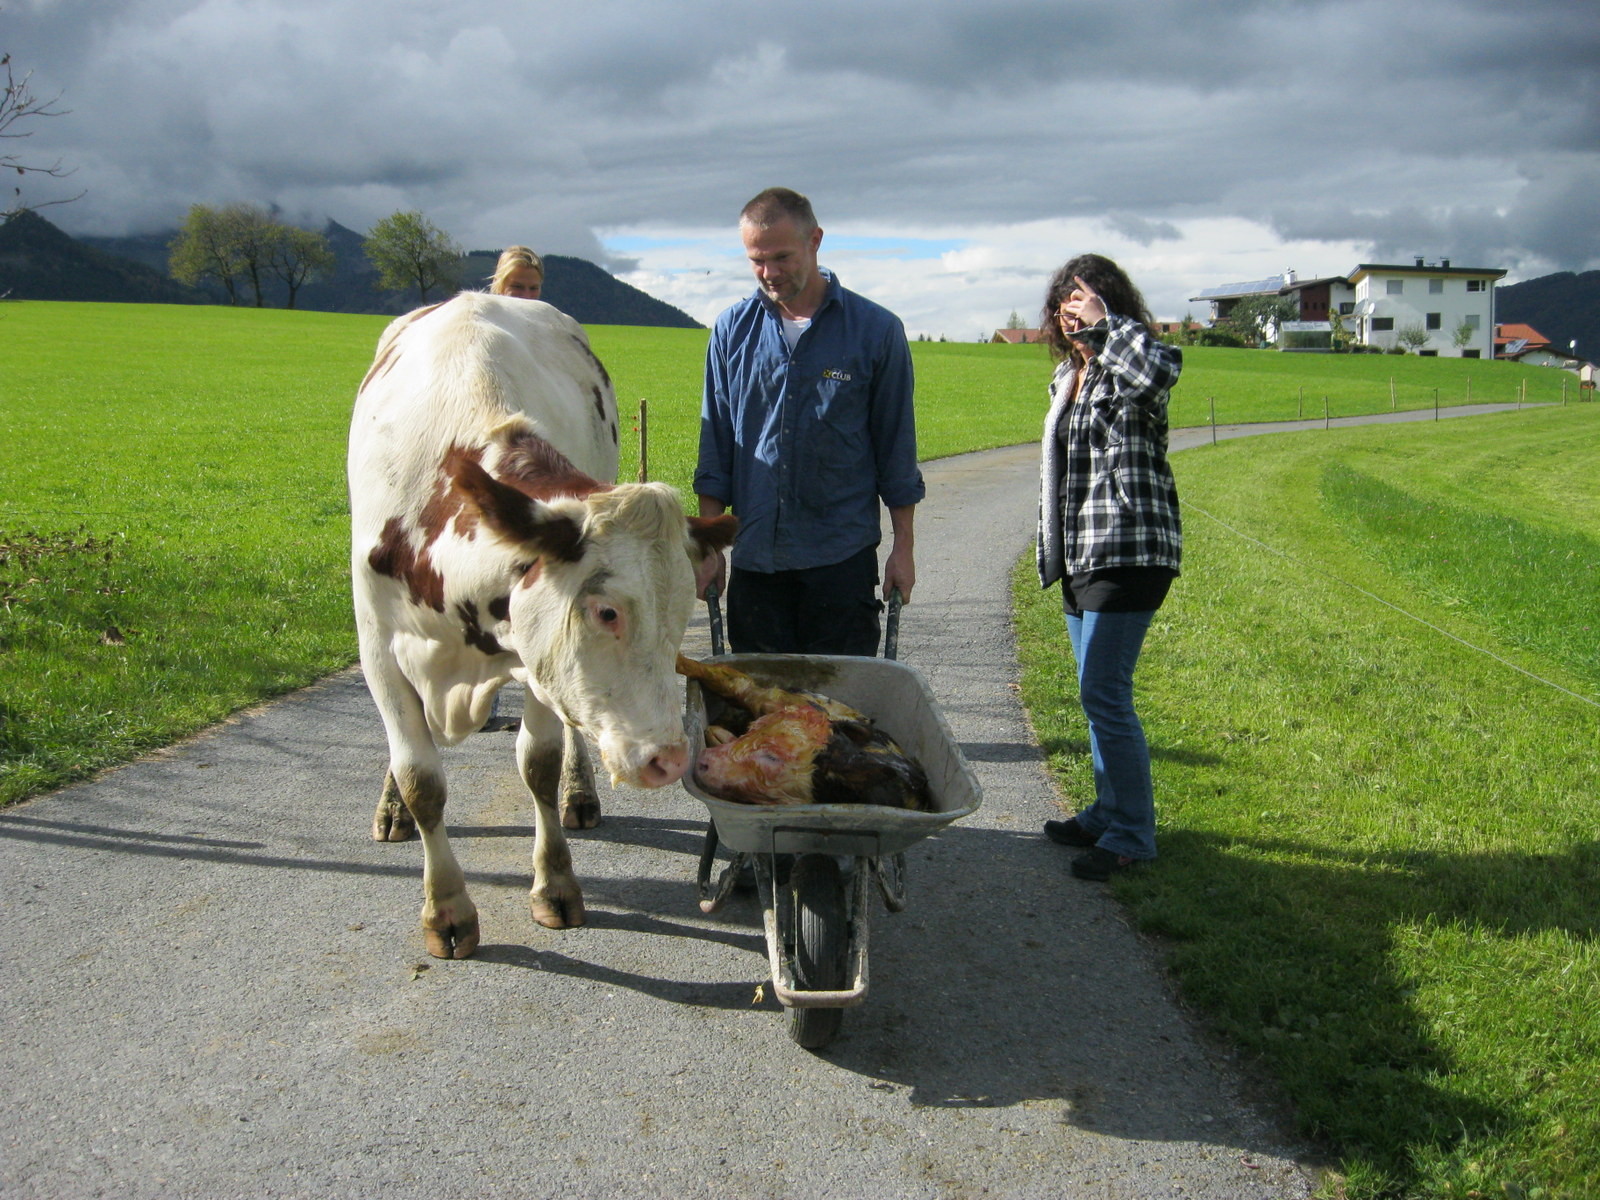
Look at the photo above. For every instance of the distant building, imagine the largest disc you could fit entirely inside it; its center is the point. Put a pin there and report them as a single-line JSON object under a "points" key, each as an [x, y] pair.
{"points": [[1525, 344], [1376, 302], [1016, 337], [1436, 297]]}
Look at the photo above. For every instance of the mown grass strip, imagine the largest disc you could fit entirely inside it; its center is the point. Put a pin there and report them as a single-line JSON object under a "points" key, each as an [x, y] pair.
{"points": [[1379, 874]]}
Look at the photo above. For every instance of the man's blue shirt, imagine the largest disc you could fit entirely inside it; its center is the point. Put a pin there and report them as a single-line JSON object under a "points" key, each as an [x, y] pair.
{"points": [[802, 445]]}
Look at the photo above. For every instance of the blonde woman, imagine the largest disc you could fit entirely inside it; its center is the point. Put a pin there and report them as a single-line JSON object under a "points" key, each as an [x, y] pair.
{"points": [[519, 273]]}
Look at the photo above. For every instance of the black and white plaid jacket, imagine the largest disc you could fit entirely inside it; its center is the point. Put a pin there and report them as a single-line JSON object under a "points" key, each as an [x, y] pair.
{"points": [[1107, 498]]}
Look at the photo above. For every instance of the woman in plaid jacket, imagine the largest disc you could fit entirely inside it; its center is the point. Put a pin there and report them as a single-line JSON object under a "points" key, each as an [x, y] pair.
{"points": [[1109, 533]]}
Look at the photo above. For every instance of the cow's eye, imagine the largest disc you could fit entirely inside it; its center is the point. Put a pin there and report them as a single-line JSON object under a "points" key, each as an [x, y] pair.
{"points": [[608, 616]]}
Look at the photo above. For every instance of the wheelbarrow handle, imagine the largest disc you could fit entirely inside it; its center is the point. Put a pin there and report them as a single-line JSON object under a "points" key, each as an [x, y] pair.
{"points": [[891, 629], [714, 608]]}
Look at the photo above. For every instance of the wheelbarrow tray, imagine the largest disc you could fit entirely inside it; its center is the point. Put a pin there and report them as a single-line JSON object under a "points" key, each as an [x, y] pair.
{"points": [[899, 701]]}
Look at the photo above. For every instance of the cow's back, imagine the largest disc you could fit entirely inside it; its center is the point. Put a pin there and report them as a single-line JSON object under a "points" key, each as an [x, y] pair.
{"points": [[453, 376]]}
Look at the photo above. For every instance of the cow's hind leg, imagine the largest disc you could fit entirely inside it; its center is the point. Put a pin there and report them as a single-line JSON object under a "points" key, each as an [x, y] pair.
{"points": [[556, 900], [392, 820], [580, 803]]}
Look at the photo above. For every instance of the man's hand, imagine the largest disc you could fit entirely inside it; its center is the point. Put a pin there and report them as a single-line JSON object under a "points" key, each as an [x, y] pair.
{"points": [[713, 568]]}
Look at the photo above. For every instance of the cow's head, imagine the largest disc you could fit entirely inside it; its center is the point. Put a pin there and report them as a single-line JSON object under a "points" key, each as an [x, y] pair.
{"points": [[600, 595]]}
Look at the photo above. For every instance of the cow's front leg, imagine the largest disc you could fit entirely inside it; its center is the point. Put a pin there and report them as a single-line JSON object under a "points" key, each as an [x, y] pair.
{"points": [[580, 803], [392, 820], [449, 918], [556, 899]]}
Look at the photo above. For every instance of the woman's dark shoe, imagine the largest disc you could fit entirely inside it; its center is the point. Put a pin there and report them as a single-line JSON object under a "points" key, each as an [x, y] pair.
{"points": [[1101, 864], [1068, 833]]}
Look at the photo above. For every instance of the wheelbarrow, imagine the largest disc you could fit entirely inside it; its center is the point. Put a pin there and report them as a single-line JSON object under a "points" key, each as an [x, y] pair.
{"points": [[815, 864]]}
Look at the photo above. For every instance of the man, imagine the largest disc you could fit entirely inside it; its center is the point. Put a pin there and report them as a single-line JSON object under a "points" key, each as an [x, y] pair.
{"points": [[806, 424]]}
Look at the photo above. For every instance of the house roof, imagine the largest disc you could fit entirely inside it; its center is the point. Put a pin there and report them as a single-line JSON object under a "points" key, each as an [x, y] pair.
{"points": [[1270, 286], [1507, 330], [1421, 268], [1016, 337]]}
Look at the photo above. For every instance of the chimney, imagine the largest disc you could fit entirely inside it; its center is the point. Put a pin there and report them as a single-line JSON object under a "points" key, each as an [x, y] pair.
{"points": [[1419, 260], [1444, 263], [1288, 277]]}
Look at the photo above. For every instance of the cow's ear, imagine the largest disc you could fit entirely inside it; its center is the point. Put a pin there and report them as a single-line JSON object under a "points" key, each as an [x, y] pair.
{"points": [[711, 534], [514, 515]]}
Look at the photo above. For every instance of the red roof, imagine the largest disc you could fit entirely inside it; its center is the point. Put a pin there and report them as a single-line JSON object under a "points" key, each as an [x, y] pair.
{"points": [[1015, 337], [1511, 332]]}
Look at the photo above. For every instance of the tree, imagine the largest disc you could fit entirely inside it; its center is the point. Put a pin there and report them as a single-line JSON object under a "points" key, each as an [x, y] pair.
{"points": [[1461, 336], [1014, 321], [1339, 338], [18, 104], [410, 251], [206, 249], [1412, 337], [298, 255], [1258, 318]]}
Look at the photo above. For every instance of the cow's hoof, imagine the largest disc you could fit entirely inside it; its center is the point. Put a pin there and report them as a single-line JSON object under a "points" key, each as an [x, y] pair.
{"points": [[389, 825], [558, 912], [580, 811], [451, 938], [392, 820]]}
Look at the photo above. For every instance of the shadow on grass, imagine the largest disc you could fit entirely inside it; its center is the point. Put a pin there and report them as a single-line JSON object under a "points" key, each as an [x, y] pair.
{"points": [[1290, 950]]}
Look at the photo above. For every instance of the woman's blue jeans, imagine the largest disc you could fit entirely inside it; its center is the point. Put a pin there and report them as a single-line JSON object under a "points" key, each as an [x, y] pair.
{"points": [[1123, 815]]}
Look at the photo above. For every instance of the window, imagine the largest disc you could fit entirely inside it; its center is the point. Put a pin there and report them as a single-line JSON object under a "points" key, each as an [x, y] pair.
{"points": [[1435, 287], [1469, 354], [1427, 354], [1435, 321], [1346, 307], [1472, 320], [1477, 285], [1397, 287], [1382, 324]]}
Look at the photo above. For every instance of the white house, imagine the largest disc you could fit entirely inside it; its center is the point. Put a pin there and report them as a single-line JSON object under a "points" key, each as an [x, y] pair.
{"points": [[1436, 298]]}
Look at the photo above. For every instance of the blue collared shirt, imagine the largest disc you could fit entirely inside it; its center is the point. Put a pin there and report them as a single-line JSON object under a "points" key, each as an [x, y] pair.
{"points": [[803, 444]]}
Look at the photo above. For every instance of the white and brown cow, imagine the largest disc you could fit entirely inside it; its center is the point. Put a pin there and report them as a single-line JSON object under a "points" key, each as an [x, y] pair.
{"points": [[489, 544]]}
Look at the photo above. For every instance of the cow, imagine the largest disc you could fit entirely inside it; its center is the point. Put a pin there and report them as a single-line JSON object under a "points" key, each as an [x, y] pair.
{"points": [[490, 543]]}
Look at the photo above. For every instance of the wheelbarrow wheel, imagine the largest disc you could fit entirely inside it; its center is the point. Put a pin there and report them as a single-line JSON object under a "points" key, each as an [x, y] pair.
{"points": [[821, 939]]}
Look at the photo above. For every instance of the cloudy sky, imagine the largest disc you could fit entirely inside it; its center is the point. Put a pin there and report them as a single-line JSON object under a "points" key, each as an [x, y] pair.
{"points": [[956, 151]]}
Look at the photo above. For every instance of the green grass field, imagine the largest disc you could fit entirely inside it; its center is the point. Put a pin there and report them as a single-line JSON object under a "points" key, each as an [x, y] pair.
{"points": [[1372, 696]]}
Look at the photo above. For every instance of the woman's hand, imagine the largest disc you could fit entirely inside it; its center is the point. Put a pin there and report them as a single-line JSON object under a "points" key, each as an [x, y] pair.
{"points": [[1081, 309]]}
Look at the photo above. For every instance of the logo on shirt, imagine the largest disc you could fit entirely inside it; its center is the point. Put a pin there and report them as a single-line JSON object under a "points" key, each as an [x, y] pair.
{"points": [[836, 375]]}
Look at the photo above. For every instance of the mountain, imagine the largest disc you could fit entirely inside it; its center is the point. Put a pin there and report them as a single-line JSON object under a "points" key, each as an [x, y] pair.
{"points": [[40, 262], [1565, 307]]}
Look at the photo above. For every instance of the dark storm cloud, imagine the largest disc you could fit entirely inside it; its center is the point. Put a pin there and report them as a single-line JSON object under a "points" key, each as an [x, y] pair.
{"points": [[1447, 127]]}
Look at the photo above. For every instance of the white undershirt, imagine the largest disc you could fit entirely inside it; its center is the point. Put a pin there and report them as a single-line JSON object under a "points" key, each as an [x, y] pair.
{"points": [[792, 329]]}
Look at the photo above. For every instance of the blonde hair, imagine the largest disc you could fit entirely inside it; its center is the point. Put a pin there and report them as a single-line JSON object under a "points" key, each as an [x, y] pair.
{"points": [[511, 258]]}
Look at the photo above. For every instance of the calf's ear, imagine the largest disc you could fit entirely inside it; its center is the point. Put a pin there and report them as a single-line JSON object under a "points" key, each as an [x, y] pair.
{"points": [[711, 534], [514, 515]]}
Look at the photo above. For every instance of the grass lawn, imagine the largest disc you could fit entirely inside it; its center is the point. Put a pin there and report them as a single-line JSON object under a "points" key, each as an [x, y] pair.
{"points": [[1379, 866]]}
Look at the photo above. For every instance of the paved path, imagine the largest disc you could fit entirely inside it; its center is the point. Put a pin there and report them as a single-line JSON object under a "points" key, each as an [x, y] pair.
{"points": [[214, 985]]}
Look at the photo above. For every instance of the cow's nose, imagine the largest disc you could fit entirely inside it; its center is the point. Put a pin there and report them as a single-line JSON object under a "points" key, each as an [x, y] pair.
{"points": [[667, 766]]}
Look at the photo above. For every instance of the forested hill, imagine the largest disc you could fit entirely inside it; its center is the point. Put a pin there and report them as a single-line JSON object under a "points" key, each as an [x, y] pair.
{"points": [[40, 262], [1565, 307]]}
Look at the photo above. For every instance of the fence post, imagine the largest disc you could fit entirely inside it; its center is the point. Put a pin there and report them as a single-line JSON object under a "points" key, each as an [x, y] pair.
{"points": [[1212, 401], [1563, 391], [1326, 419], [1300, 412], [1435, 404], [644, 444], [1391, 393], [1469, 389]]}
